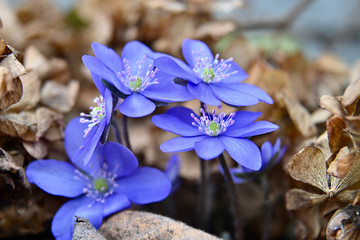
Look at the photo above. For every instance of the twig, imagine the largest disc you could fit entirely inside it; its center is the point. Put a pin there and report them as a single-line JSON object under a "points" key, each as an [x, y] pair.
{"points": [[278, 23]]}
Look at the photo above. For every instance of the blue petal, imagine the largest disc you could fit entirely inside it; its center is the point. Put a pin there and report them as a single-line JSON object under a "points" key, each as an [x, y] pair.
{"points": [[172, 168], [115, 202], [248, 89], [108, 101], [87, 148], [177, 120], [253, 129], [233, 96], [134, 51], [99, 68], [241, 75], [243, 118], [146, 185], [94, 212], [190, 49], [209, 148], [180, 144], [56, 177], [98, 83], [239, 170], [203, 92], [108, 56], [266, 153], [74, 136], [120, 160], [243, 151], [170, 66], [63, 222], [167, 90], [136, 105]]}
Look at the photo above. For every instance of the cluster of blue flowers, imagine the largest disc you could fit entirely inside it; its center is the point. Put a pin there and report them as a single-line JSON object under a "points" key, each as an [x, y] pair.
{"points": [[104, 176]]}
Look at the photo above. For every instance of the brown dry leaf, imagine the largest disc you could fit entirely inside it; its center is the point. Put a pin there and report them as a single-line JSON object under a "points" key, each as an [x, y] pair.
{"points": [[10, 89], [37, 150], [344, 224], [45, 119], [298, 198], [31, 92], [331, 64], [353, 124], [309, 166], [11, 174], [299, 115], [21, 125], [335, 128], [142, 225], [13, 65], [332, 104], [84, 230], [58, 96], [342, 164], [351, 93], [34, 60]]}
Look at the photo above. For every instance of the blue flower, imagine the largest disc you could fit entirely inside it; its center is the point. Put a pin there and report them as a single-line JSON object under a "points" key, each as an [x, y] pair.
{"points": [[172, 170], [95, 124], [109, 183], [213, 133], [210, 79], [270, 156], [134, 78]]}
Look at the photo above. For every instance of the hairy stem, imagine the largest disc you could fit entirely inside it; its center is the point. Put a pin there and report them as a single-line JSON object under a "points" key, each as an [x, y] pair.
{"points": [[126, 132], [233, 199]]}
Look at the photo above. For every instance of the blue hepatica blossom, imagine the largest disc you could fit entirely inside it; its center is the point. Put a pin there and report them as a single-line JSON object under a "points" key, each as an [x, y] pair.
{"points": [[213, 133], [96, 125], [109, 183], [172, 170], [210, 79], [270, 156], [134, 78]]}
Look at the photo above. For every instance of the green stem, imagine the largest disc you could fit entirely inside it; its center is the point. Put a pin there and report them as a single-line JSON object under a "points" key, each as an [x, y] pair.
{"points": [[126, 132], [234, 199]]}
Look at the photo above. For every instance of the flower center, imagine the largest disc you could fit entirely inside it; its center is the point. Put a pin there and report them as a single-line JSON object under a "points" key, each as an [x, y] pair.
{"points": [[211, 72], [96, 115], [138, 80], [212, 124], [101, 185]]}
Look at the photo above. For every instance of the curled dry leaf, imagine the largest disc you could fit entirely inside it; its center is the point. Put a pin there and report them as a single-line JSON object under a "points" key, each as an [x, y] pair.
{"points": [[142, 225], [10, 88], [31, 92], [83, 230], [20, 125], [351, 93], [332, 104], [37, 150], [342, 164], [29, 125], [299, 115], [337, 137], [58, 96], [10, 173], [344, 224]]}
